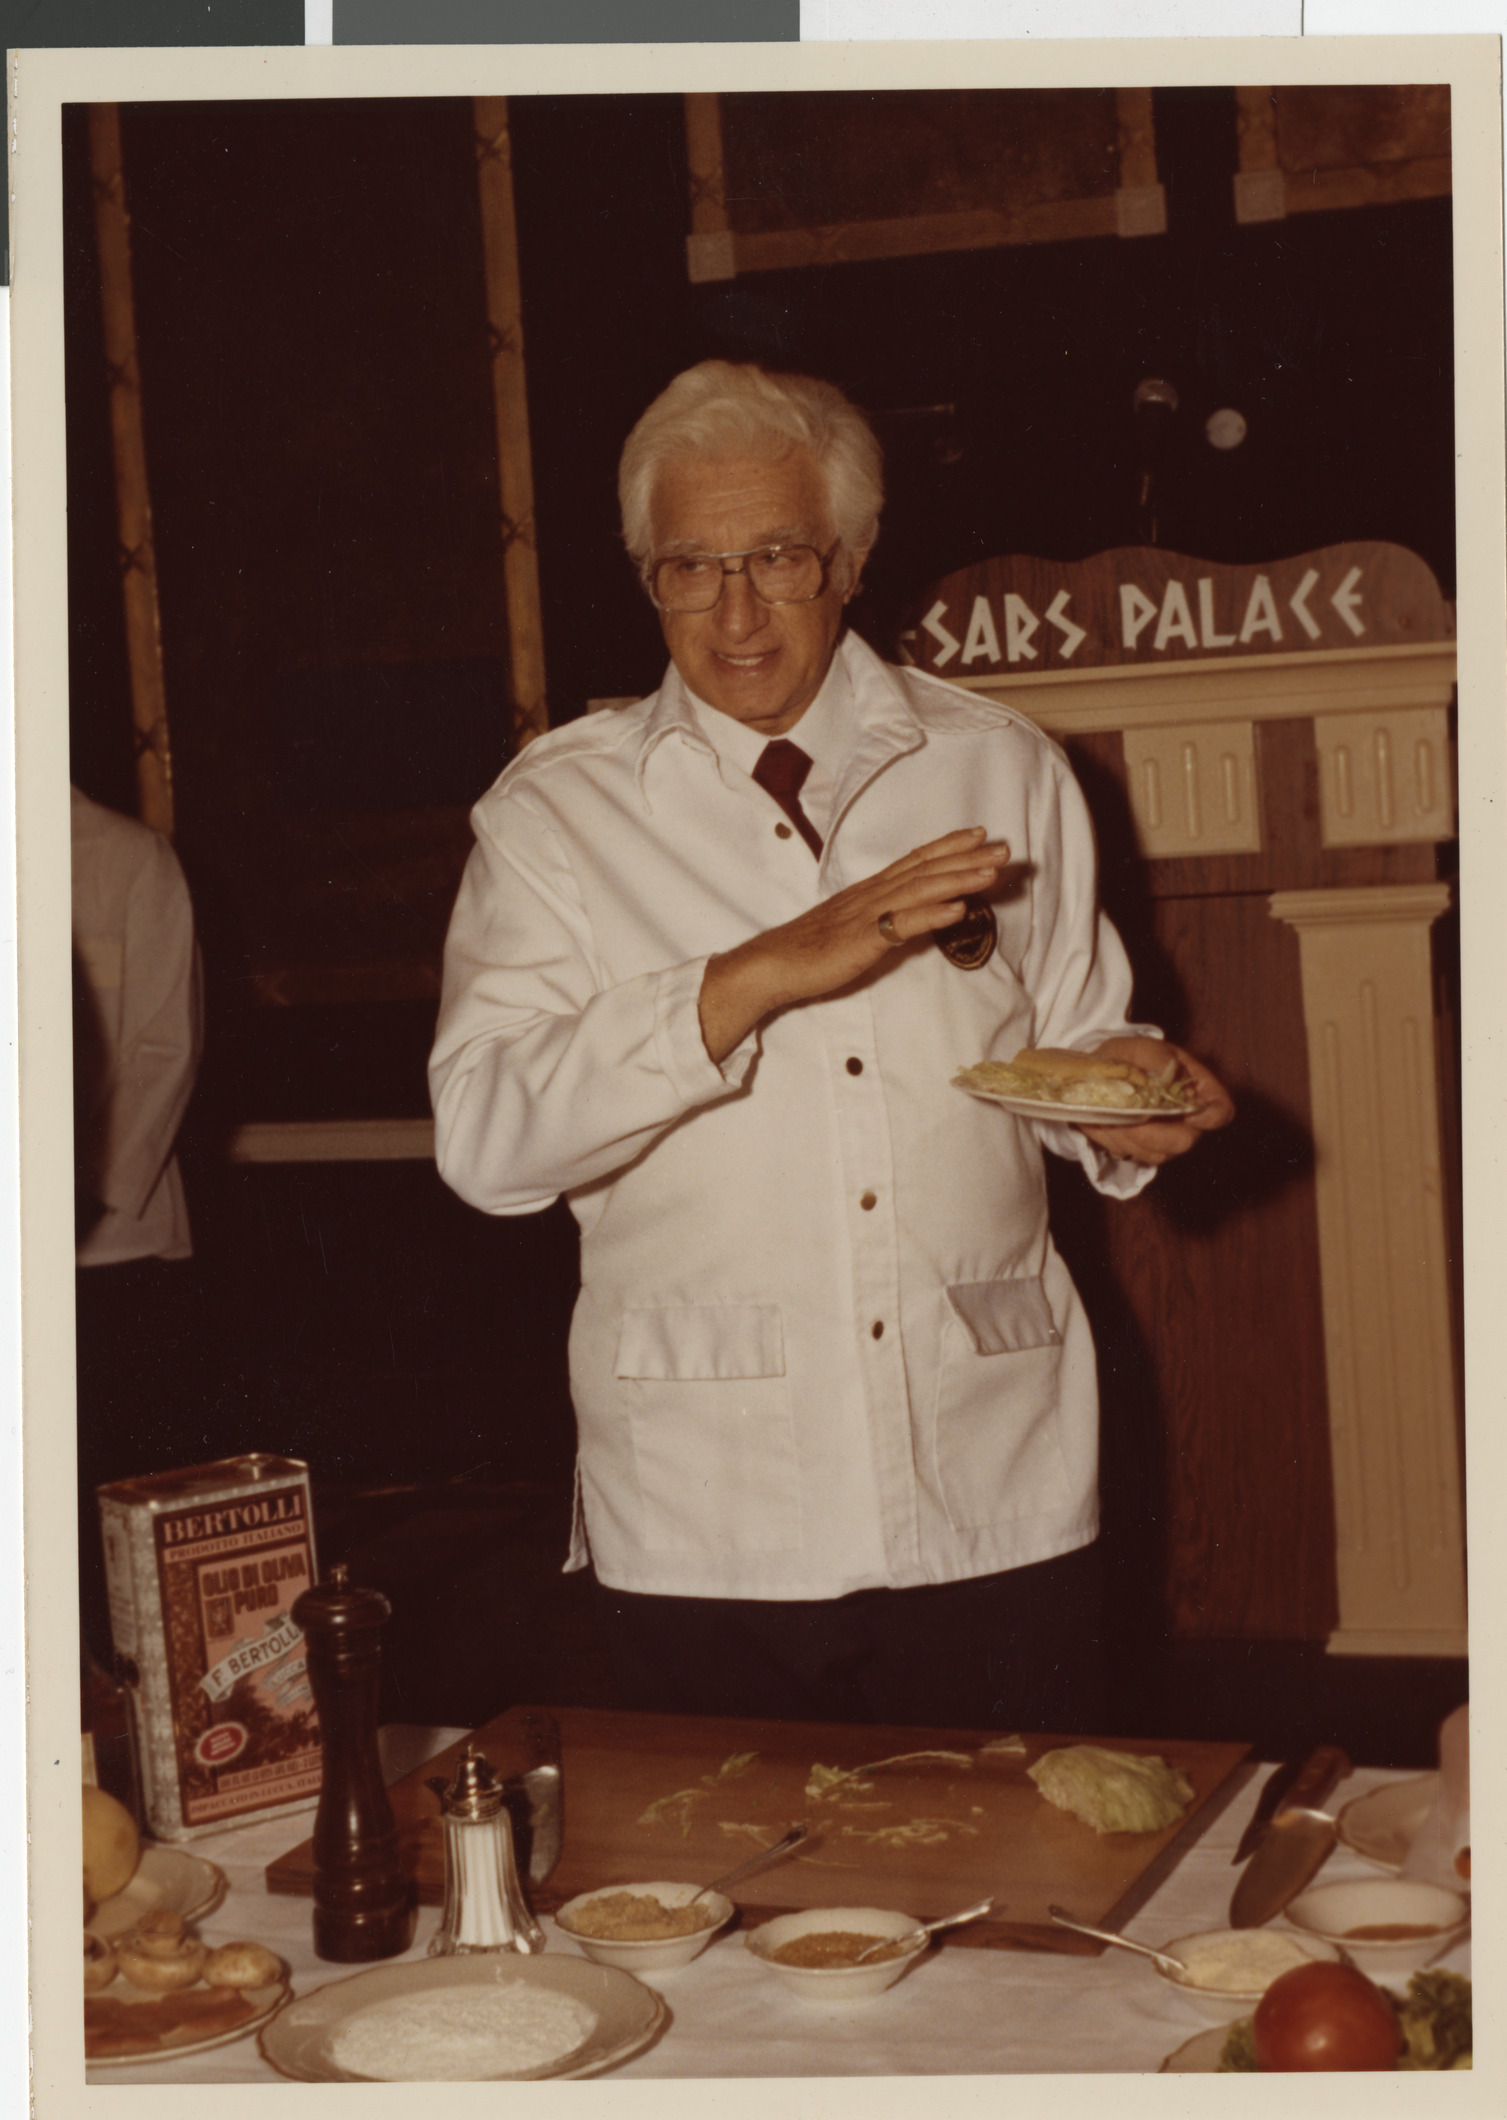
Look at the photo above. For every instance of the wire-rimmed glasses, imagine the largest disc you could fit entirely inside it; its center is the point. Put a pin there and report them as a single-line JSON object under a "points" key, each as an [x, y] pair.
{"points": [[777, 574]]}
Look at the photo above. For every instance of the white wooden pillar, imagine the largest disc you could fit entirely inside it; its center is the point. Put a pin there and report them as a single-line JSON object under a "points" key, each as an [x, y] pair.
{"points": [[1393, 1404]]}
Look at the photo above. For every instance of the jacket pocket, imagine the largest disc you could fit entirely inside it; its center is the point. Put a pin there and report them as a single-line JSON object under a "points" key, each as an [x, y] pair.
{"points": [[691, 1342], [1004, 1317], [998, 1451], [713, 1437]]}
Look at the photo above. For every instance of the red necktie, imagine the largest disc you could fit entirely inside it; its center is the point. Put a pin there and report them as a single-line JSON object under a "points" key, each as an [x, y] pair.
{"points": [[781, 772]]}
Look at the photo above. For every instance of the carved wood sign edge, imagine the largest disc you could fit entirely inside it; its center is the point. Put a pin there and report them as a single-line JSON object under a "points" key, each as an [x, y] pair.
{"points": [[1144, 605]]}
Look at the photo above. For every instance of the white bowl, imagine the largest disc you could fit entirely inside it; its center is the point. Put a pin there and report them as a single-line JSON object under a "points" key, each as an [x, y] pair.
{"points": [[836, 1983], [653, 1954], [1223, 2003], [1336, 1911]]}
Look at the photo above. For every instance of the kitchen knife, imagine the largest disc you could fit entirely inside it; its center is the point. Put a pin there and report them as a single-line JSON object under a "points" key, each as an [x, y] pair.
{"points": [[542, 1785], [1296, 1843], [1278, 1783]]}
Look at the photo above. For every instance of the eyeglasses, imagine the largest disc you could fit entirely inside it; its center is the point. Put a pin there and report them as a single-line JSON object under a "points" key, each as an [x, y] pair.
{"points": [[777, 574]]}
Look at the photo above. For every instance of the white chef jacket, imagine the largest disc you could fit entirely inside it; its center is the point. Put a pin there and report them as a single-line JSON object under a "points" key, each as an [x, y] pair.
{"points": [[138, 1046], [824, 1341]]}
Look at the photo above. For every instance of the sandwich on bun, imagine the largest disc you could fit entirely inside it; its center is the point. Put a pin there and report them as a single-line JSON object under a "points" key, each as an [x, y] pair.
{"points": [[1053, 1075]]}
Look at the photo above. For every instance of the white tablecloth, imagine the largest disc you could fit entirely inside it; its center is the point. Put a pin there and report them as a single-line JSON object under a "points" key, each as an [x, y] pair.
{"points": [[958, 2011]]}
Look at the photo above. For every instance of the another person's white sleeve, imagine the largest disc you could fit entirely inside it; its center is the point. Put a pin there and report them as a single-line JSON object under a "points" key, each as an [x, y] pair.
{"points": [[157, 1058]]}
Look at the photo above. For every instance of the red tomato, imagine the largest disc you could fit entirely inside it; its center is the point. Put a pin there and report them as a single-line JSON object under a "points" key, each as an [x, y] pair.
{"points": [[1325, 2016]]}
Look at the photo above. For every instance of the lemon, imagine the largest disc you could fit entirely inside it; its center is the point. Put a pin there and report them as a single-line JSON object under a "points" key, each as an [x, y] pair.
{"points": [[112, 1845]]}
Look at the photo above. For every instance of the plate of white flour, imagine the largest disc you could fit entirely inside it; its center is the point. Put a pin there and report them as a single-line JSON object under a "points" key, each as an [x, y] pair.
{"points": [[465, 2020]]}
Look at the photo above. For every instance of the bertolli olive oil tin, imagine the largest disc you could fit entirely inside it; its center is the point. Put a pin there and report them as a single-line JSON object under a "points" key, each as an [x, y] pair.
{"points": [[203, 1566]]}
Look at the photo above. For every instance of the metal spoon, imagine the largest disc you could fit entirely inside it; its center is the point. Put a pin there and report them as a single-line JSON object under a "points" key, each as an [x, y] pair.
{"points": [[1162, 1960], [781, 1847], [920, 1933]]}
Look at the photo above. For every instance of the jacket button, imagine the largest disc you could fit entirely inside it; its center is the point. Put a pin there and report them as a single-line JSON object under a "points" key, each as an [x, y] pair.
{"points": [[783, 831], [869, 1200], [855, 1066], [877, 1328]]}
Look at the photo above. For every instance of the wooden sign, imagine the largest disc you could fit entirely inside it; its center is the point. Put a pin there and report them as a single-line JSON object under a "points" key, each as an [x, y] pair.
{"points": [[1140, 604], [685, 1798]]}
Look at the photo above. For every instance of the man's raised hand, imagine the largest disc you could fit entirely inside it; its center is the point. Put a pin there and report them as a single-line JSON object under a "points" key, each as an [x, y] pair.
{"points": [[840, 938]]}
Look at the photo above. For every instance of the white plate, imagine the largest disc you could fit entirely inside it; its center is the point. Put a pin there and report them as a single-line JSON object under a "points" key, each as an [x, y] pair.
{"points": [[1382, 1826], [1067, 1114], [165, 1877], [1198, 2056], [268, 2001], [297, 2042]]}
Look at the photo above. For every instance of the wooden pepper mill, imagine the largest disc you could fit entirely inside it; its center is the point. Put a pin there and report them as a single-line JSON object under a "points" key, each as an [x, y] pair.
{"points": [[364, 1904]]}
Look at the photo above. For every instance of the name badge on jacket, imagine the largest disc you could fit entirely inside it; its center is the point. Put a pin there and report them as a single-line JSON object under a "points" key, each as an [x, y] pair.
{"points": [[969, 942]]}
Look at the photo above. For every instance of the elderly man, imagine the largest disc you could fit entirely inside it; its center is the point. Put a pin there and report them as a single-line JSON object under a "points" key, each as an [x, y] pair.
{"points": [[835, 1389]]}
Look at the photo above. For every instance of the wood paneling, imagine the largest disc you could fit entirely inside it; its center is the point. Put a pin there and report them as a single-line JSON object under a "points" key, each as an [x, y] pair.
{"points": [[316, 407], [804, 161], [1315, 149], [1217, 1491], [1334, 127], [1204, 1295], [778, 180]]}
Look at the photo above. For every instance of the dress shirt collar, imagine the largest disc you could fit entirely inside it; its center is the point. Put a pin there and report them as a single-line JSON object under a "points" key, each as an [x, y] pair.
{"points": [[824, 732], [733, 741], [859, 719]]}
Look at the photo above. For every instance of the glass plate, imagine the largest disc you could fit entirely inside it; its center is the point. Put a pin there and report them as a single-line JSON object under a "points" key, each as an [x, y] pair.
{"points": [[1382, 1826], [628, 2014]]}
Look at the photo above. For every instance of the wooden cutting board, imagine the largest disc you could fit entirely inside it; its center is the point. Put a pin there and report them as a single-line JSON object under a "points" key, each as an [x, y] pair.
{"points": [[673, 1797]]}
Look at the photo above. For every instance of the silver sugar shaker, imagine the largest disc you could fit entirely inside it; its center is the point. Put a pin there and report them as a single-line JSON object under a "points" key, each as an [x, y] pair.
{"points": [[485, 1909]]}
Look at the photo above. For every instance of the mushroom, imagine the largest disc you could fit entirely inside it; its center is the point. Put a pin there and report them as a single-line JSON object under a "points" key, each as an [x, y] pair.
{"points": [[159, 1954], [242, 1965], [99, 1963]]}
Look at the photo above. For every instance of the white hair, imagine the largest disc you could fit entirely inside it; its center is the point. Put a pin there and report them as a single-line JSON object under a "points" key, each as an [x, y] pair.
{"points": [[722, 409]]}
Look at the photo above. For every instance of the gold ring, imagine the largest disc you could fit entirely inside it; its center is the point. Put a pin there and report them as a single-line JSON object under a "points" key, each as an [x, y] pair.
{"points": [[887, 930]]}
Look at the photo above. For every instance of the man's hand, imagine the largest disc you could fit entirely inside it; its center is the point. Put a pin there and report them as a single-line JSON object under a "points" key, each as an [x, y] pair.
{"points": [[1159, 1140], [839, 940]]}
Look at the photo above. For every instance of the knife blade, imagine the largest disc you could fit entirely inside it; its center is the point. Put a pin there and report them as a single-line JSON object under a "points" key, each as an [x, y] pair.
{"points": [[1295, 1844], [1277, 1785], [542, 1786]]}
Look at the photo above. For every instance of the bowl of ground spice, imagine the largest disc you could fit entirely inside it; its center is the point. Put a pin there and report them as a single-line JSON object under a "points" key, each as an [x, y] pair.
{"points": [[815, 1953], [644, 1928]]}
